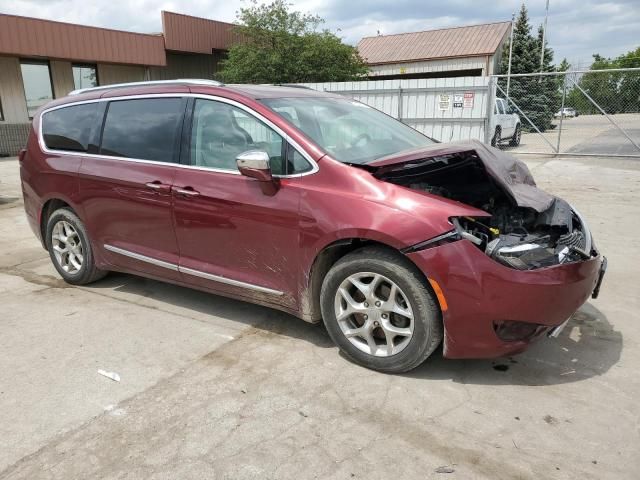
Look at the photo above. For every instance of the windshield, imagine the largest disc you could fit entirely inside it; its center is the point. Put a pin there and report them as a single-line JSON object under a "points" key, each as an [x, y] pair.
{"points": [[349, 131]]}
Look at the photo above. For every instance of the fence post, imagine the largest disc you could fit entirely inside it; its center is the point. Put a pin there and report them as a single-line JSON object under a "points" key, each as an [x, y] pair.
{"points": [[491, 93], [564, 96]]}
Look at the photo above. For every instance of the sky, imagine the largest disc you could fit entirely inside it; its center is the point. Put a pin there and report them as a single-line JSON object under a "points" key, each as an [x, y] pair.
{"points": [[576, 28]]}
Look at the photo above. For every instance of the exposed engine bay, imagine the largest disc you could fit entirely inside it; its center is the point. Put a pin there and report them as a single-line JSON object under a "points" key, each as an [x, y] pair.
{"points": [[515, 235]]}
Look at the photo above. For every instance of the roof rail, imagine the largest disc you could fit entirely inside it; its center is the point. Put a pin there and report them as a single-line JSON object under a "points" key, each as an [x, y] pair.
{"points": [[187, 81]]}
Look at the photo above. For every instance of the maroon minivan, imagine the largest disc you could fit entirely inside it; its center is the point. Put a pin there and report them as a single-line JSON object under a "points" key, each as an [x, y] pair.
{"points": [[313, 204]]}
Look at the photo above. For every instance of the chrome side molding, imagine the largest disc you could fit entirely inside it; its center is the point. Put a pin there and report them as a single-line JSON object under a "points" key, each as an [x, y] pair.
{"points": [[190, 271], [142, 258]]}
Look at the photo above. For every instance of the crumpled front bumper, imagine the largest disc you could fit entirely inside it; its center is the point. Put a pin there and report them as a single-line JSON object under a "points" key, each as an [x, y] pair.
{"points": [[480, 292]]}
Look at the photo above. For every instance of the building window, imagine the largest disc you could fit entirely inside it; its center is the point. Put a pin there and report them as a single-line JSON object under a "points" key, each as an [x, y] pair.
{"points": [[84, 76], [36, 79]]}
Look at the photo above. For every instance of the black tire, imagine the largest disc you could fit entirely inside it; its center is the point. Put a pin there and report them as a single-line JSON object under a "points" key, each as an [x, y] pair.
{"points": [[88, 271], [427, 329], [495, 141], [517, 135]]}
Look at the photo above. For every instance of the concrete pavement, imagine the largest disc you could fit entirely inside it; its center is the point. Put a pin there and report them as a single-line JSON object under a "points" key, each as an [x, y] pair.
{"points": [[215, 388]]}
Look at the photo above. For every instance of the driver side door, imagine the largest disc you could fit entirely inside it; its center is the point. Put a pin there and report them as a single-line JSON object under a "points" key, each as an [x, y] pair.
{"points": [[231, 236]]}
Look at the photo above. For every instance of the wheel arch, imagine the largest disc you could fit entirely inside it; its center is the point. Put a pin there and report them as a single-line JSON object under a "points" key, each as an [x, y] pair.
{"points": [[48, 207], [325, 259]]}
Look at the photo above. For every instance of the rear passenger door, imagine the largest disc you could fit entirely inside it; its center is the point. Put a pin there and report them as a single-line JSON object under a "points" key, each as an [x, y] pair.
{"points": [[126, 186]]}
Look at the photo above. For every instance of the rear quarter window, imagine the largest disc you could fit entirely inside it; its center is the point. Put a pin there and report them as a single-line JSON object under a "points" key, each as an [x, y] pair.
{"points": [[70, 128]]}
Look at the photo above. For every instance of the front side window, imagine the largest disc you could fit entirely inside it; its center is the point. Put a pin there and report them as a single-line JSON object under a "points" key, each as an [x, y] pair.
{"points": [[36, 80], [84, 76], [145, 129], [349, 131], [70, 128], [220, 132]]}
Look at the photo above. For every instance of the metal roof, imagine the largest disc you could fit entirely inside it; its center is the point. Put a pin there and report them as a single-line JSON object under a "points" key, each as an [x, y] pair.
{"points": [[185, 33], [475, 40], [31, 37]]}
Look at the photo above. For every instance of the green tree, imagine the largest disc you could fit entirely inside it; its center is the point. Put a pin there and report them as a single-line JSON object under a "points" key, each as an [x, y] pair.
{"points": [[564, 66], [537, 97], [278, 45], [615, 92]]}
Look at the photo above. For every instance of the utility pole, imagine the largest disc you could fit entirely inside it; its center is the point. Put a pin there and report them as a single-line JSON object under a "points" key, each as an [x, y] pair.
{"points": [[513, 17], [544, 33]]}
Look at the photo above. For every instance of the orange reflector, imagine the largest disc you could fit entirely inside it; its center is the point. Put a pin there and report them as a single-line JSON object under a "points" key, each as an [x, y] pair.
{"points": [[436, 288]]}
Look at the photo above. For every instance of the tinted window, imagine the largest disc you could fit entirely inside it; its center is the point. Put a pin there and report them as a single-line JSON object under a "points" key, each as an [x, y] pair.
{"points": [[70, 128], [145, 129], [37, 85], [221, 132]]}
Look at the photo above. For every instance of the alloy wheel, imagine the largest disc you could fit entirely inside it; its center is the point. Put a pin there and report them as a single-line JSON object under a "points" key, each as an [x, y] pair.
{"points": [[67, 247], [374, 314]]}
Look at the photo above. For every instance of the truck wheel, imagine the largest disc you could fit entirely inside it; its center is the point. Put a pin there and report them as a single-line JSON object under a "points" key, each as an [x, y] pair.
{"points": [[517, 135], [495, 141], [70, 249], [379, 310]]}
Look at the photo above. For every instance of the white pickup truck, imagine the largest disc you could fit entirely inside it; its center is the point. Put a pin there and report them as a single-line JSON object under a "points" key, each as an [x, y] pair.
{"points": [[505, 124]]}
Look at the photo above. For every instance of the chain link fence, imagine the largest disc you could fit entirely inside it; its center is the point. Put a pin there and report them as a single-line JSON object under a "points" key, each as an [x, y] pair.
{"points": [[595, 112]]}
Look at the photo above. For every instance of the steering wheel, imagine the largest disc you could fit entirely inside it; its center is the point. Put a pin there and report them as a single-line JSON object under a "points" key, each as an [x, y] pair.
{"points": [[357, 142]]}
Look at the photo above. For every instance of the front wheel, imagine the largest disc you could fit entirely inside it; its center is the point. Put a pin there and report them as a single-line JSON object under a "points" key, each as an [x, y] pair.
{"points": [[379, 310], [495, 141]]}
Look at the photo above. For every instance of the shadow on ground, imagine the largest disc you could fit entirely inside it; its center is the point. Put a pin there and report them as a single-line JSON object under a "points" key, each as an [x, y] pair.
{"points": [[205, 303], [588, 346]]}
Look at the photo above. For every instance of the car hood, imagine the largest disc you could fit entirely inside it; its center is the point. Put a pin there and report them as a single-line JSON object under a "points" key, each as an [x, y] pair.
{"points": [[511, 174]]}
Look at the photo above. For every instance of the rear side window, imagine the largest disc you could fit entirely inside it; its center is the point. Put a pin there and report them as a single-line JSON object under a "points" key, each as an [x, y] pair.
{"points": [[70, 128], [145, 129]]}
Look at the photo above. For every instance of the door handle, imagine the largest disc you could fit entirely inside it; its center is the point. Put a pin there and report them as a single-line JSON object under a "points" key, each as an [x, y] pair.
{"points": [[158, 186], [187, 191]]}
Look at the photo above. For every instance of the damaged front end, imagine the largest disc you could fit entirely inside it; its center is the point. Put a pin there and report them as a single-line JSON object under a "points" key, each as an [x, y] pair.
{"points": [[528, 240], [526, 228]]}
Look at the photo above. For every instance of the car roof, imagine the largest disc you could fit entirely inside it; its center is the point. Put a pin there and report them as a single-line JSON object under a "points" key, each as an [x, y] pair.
{"points": [[255, 92], [277, 91]]}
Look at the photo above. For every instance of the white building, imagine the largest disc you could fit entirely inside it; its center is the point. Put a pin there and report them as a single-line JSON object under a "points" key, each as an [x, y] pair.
{"points": [[449, 52]]}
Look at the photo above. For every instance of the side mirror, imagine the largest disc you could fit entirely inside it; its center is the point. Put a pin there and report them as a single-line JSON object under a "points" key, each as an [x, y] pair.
{"points": [[255, 164]]}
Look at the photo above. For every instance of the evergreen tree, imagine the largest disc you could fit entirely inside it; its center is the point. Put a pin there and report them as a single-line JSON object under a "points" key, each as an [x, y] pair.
{"points": [[547, 91], [537, 97]]}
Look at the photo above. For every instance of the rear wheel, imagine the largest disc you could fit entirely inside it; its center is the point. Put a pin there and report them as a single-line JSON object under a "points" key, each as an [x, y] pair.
{"points": [[495, 141], [517, 135], [70, 249], [378, 309]]}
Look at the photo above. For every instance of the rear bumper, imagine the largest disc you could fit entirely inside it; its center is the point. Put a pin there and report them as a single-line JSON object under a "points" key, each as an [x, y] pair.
{"points": [[481, 293]]}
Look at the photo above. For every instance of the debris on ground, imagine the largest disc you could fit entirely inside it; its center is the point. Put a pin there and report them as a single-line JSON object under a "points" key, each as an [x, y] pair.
{"points": [[112, 375], [445, 469]]}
